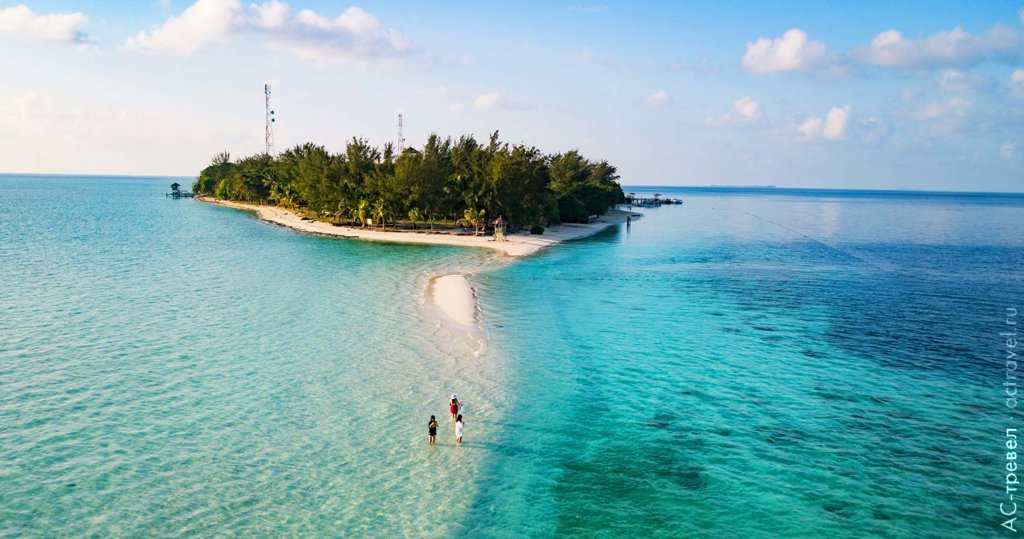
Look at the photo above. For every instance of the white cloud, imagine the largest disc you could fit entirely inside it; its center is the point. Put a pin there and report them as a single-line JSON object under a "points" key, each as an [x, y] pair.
{"points": [[1017, 83], [455, 107], [488, 100], [353, 20], [202, 23], [270, 15], [890, 49], [952, 108], [874, 129], [810, 128], [791, 52], [744, 111], [659, 99], [747, 109], [355, 36], [832, 127], [952, 79], [955, 48], [20, 21], [953, 116], [1008, 150]]}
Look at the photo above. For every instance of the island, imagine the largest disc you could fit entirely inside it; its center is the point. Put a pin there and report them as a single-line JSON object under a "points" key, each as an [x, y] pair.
{"points": [[449, 192]]}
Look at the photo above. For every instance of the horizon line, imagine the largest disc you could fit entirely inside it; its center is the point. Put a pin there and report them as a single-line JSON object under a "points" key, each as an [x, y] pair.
{"points": [[623, 184]]}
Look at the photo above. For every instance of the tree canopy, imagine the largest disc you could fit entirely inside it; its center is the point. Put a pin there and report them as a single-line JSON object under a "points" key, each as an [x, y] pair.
{"points": [[446, 179]]}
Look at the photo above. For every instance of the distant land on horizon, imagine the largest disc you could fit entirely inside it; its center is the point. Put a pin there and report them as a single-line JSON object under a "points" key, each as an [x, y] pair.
{"points": [[819, 190]]}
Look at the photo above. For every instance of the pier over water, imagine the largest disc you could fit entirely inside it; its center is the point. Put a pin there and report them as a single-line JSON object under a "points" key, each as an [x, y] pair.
{"points": [[650, 202], [176, 192]]}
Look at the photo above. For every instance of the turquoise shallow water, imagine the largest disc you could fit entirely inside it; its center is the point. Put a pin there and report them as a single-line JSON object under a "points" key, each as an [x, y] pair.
{"points": [[754, 365], [744, 365], [174, 368]]}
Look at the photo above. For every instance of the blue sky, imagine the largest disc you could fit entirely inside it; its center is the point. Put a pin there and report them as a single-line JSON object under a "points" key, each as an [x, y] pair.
{"points": [[850, 95]]}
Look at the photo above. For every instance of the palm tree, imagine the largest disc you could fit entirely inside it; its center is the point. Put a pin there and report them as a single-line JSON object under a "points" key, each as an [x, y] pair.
{"points": [[379, 212], [415, 215], [476, 219], [362, 212], [481, 221]]}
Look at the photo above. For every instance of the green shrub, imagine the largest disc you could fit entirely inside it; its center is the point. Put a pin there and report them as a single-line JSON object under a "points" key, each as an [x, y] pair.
{"points": [[536, 229]]}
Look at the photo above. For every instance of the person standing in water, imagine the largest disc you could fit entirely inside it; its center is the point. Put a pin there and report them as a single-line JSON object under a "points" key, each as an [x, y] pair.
{"points": [[458, 429], [453, 405], [431, 431]]}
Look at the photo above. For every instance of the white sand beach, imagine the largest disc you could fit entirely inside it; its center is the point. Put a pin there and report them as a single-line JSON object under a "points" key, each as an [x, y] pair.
{"points": [[453, 294], [519, 244]]}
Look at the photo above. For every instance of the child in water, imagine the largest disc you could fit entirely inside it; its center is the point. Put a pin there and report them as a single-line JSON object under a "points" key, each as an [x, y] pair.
{"points": [[458, 429], [453, 405], [431, 431]]}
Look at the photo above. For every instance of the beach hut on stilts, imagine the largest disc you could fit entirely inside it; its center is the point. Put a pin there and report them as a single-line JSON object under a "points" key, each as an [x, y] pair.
{"points": [[176, 192], [499, 229]]}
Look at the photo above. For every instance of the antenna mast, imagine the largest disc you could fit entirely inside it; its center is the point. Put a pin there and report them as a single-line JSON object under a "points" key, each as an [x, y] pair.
{"points": [[268, 132], [401, 139]]}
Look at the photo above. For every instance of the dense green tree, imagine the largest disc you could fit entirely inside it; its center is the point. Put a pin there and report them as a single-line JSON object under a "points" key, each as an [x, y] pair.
{"points": [[249, 180], [313, 175], [447, 180], [210, 176]]}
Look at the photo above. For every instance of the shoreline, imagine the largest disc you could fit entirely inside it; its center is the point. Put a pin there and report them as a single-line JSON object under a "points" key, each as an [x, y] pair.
{"points": [[518, 244]]}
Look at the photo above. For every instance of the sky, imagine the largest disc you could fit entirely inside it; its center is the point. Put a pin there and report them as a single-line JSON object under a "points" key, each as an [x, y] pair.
{"points": [[869, 95]]}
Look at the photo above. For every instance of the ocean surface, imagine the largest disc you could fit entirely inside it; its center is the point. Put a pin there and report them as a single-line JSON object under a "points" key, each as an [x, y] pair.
{"points": [[751, 363]]}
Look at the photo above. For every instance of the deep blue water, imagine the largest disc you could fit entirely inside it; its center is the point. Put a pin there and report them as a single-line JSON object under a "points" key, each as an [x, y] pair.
{"points": [[747, 364]]}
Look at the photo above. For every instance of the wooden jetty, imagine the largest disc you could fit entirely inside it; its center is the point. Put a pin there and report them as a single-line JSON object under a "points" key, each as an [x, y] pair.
{"points": [[650, 202], [176, 192]]}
